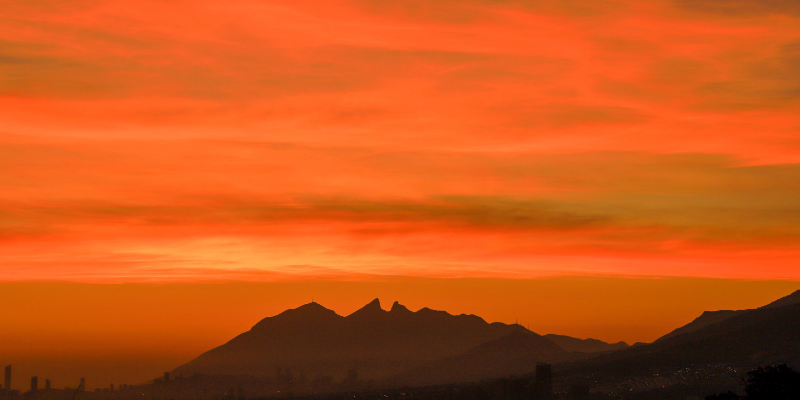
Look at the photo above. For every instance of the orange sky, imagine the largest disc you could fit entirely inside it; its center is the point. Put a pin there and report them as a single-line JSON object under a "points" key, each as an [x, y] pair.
{"points": [[336, 141]]}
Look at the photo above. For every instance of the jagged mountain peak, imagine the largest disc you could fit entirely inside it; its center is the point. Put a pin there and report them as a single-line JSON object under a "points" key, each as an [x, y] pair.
{"points": [[399, 308], [373, 308], [319, 341], [312, 308], [310, 313]]}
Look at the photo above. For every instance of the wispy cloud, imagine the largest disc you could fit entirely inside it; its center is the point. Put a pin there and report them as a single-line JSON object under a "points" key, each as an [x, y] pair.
{"points": [[460, 138]]}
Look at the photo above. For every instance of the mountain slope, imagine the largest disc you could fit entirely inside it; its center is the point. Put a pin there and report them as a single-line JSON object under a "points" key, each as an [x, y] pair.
{"points": [[317, 341], [793, 298], [514, 354], [704, 320], [766, 335], [709, 318], [572, 344]]}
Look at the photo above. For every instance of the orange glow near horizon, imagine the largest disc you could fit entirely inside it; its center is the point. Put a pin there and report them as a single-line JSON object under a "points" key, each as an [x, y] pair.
{"points": [[341, 142], [131, 333]]}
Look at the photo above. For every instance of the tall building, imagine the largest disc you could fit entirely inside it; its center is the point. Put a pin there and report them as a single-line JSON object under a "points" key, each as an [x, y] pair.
{"points": [[544, 379], [34, 383], [82, 387], [47, 384], [7, 386]]}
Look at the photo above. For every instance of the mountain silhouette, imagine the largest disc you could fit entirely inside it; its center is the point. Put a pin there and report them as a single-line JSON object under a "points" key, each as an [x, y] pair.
{"points": [[713, 317], [746, 338], [572, 344], [513, 354], [318, 342], [704, 320], [793, 298], [404, 347]]}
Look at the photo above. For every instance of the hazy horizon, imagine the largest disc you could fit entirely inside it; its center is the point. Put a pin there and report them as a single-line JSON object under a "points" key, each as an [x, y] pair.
{"points": [[130, 333]]}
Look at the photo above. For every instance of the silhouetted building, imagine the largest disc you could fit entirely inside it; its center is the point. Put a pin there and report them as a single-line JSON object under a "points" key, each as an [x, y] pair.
{"points": [[82, 387], [544, 380], [7, 386], [34, 383], [47, 384], [166, 377]]}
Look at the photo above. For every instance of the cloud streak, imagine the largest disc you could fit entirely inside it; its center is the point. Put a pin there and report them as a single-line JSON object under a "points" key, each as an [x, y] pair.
{"points": [[375, 213], [477, 138]]}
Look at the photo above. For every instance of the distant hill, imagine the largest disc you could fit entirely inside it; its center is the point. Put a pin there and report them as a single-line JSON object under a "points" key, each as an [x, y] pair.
{"points": [[514, 354], [747, 338], [572, 344], [793, 298], [316, 341], [704, 320], [713, 317]]}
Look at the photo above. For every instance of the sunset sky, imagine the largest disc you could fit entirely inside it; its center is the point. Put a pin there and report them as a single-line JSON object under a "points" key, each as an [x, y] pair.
{"points": [[184, 168]]}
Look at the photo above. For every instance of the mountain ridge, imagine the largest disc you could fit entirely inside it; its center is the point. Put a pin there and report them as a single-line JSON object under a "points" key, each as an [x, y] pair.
{"points": [[319, 341], [514, 354], [433, 347], [708, 318], [746, 339], [589, 345]]}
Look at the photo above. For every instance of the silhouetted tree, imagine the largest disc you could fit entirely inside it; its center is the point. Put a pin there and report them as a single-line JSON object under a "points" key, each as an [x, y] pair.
{"points": [[779, 382], [773, 383]]}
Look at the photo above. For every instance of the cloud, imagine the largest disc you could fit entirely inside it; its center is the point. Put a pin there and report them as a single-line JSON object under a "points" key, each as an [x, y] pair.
{"points": [[741, 7], [470, 137], [566, 115], [250, 187], [766, 82], [475, 10]]}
